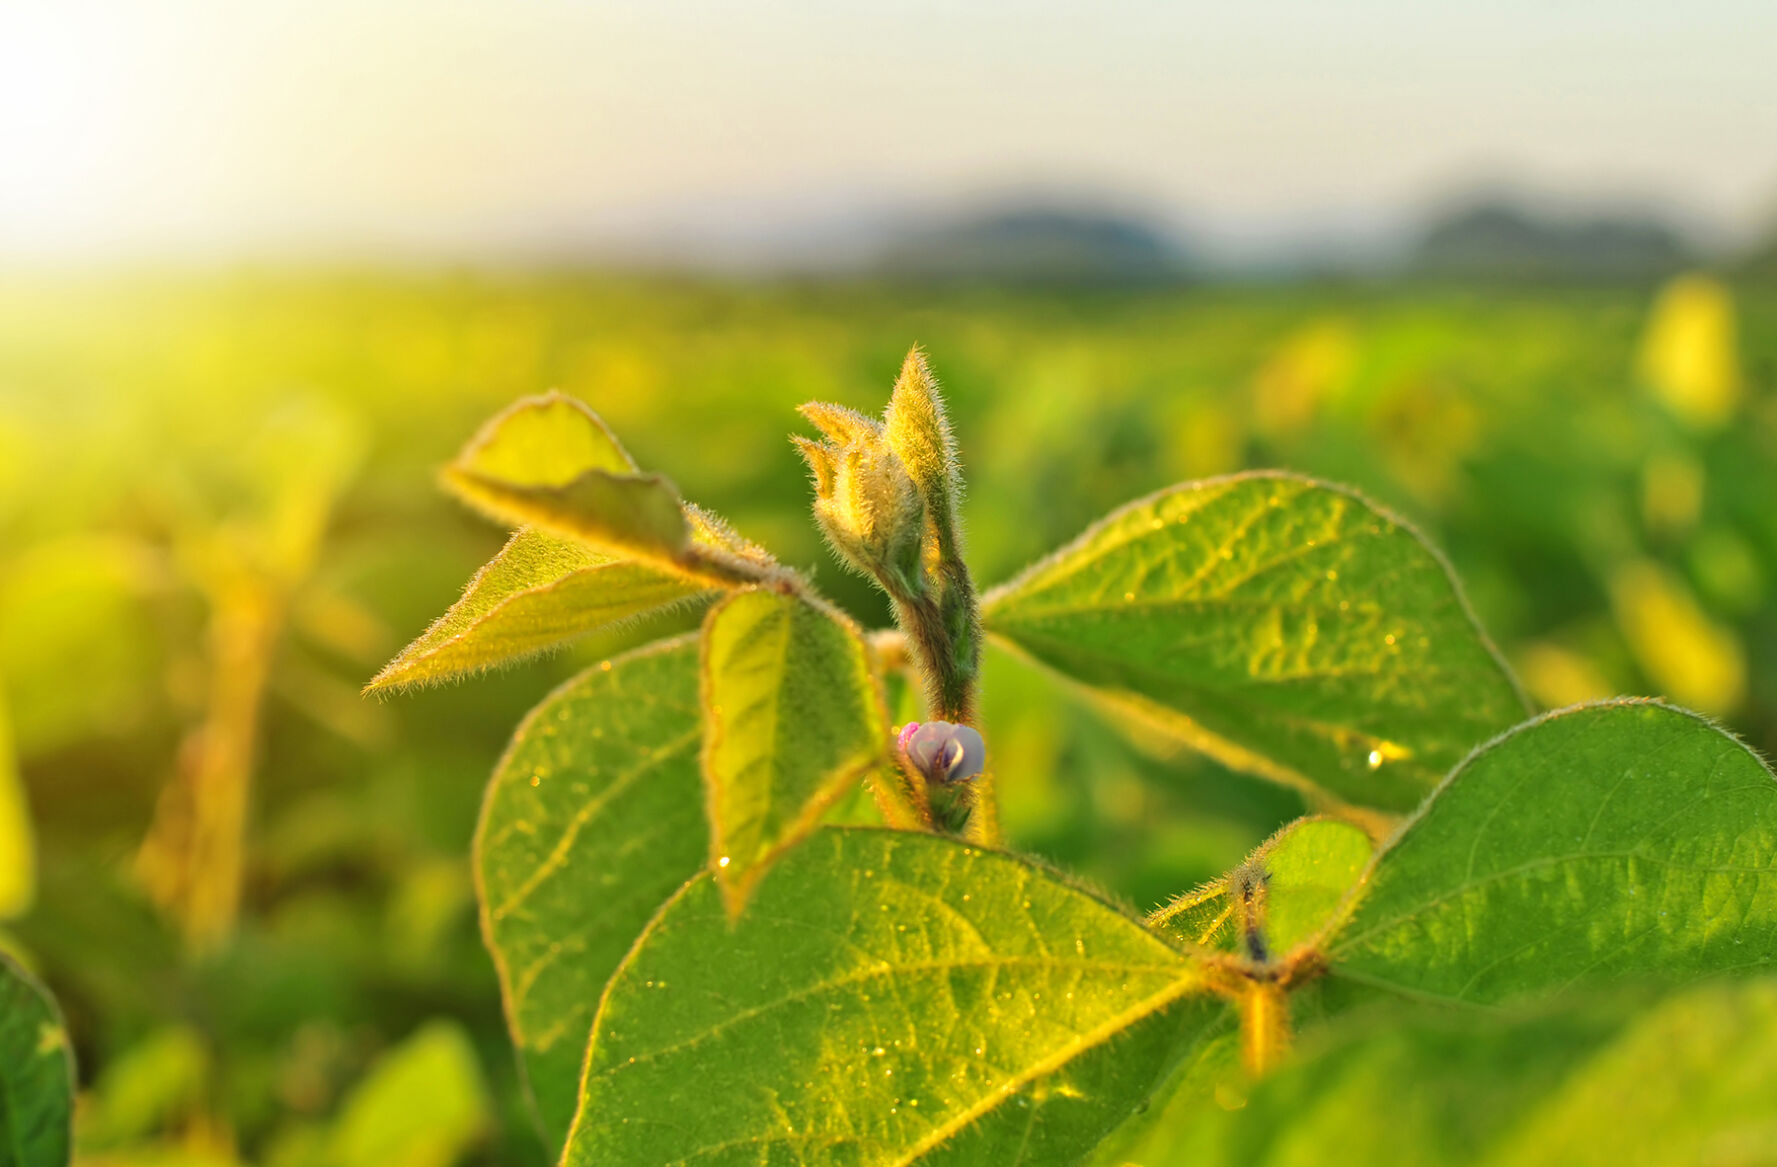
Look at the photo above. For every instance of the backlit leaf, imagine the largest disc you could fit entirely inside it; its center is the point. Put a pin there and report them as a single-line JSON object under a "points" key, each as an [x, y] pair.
{"points": [[1308, 868], [593, 818], [1622, 840], [793, 715], [544, 441], [1282, 625], [888, 997], [36, 1075], [627, 514], [549, 462]]}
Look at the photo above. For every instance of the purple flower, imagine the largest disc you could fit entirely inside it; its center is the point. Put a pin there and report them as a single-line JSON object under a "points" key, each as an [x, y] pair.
{"points": [[943, 752]]}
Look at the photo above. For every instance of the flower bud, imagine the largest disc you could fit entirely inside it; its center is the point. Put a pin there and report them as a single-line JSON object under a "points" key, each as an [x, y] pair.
{"points": [[865, 501], [943, 752]]}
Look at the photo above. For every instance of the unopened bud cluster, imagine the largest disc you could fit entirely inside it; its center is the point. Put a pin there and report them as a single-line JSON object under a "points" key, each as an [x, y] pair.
{"points": [[865, 501]]}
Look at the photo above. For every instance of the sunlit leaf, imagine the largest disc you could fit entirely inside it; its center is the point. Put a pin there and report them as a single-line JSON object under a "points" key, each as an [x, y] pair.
{"points": [[544, 441], [593, 818], [627, 514], [423, 1104], [539, 592], [887, 997], [793, 716], [1687, 1079], [1622, 840], [549, 462], [1282, 625], [1307, 870], [36, 1074]]}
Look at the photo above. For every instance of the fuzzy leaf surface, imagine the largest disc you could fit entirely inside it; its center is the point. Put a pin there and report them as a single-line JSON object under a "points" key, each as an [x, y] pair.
{"points": [[1624, 840], [548, 440], [1282, 625], [549, 462], [887, 998], [637, 515], [541, 591], [793, 716], [593, 818], [1309, 867], [36, 1075]]}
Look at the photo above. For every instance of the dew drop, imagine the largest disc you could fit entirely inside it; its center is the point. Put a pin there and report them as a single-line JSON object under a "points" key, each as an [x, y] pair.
{"points": [[723, 861], [1375, 759]]}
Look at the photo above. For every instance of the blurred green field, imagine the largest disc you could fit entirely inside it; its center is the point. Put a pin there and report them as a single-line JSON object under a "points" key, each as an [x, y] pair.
{"points": [[217, 519]]}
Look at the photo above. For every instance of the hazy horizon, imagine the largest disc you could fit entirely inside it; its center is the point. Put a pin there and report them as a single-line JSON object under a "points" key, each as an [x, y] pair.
{"points": [[460, 130]]}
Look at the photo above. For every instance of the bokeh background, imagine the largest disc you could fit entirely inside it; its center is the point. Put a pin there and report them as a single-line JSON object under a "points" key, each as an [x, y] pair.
{"points": [[1511, 270]]}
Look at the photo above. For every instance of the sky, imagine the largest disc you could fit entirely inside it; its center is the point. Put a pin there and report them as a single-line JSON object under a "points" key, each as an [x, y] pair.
{"points": [[465, 129]]}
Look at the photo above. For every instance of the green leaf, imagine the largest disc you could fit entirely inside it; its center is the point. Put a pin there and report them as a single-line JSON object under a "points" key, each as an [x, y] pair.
{"points": [[793, 716], [593, 818], [539, 592], [1687, 1079], [640, 515], [887, 997], [36, 1074], [549, 462], [544, 441], [1308, 868], [423, 1104], [1626, 839], [1281, 625]]}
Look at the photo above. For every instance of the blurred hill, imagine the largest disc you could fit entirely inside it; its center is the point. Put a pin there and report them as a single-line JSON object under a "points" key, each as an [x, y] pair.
{"points": [[1760, 260], [1036, 245], [1500, 239]]}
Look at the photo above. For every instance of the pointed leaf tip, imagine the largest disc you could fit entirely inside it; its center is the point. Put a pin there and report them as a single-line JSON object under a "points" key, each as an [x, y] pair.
{"points": [[843, 426], [544, 441]]}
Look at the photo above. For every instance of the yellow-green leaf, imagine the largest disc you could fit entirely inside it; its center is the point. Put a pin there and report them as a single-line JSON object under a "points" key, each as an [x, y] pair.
{"points": [[548, 440], [1282, 625], [1306, 869], [888, 997], [539, 592], [638, 515], [793, 715], [593, 818], [1600, 1082], [1625, 840]]}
